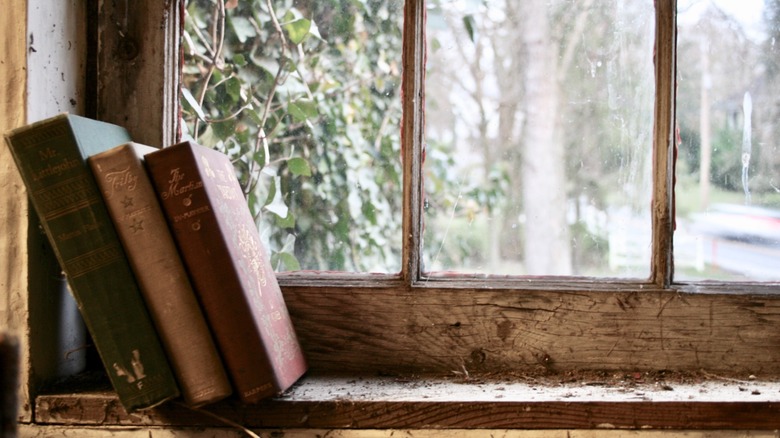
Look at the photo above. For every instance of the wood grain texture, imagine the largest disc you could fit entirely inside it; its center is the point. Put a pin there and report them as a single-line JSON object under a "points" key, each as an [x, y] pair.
{"points": [[377, 403], [223, 432], [413, 135], [664, 141], [440, 330], [138, 68]]}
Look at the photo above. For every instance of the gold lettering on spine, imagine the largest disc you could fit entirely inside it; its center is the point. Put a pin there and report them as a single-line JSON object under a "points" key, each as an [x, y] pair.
{"points": [[262, 388], [86, 228], [227, 192], [191, 213], [46, 154], [55, 169], [207, 167], [121, 180], [176, 187], [250, 250]]}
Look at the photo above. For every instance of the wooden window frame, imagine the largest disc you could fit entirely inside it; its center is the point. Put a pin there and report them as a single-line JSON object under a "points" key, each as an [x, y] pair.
{"points": [[407, 326]]}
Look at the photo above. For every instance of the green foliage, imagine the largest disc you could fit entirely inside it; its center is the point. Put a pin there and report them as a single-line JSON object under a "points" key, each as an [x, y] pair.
{"points": [[304, 98], [468, 24], [590, 249], [727, 159]]}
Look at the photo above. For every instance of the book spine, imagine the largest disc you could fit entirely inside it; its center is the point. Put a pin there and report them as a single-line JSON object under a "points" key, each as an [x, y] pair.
{"points": [[63, 191], [200, 195], [165, 286]]}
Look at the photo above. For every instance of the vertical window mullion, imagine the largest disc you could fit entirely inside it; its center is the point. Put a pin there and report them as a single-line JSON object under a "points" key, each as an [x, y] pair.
{"points": [[412, 140], [138, 68], [663, 143]]}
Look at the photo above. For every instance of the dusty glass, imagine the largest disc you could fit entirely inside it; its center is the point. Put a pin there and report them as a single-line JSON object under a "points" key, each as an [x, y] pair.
{"points": [[304, 96], [728, 185], [539, 119]]}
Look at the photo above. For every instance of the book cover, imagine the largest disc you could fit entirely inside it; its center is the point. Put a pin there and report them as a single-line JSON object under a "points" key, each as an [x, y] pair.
{"points": [[51, 156], [229, 267], [154, 259]]}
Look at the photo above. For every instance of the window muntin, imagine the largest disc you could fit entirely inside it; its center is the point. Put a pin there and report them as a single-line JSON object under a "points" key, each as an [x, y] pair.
{"points": [[728, 215]]}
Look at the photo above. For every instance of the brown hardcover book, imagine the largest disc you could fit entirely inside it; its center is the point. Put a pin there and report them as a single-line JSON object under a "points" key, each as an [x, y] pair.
{"points": [[229, 267], [165, 286]]}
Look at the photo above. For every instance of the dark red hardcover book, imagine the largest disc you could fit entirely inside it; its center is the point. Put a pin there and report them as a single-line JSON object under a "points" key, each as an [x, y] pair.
{"points": [[229, 267]]}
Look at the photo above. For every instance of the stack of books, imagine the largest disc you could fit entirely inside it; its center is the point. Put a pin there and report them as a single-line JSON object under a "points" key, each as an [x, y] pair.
{"points": [[164, 260]]}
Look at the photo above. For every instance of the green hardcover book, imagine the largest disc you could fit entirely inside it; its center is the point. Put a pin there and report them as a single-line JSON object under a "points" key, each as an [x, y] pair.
{"points": [[51, 156]]}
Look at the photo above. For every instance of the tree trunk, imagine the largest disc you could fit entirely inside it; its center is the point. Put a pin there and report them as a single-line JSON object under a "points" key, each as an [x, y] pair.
{"points": [[705, 146], [547, 246]]}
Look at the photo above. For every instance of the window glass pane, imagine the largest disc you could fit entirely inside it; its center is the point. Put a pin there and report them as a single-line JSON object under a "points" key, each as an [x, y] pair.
{"points": [[539, 120], [304, 95], [728, 107]]}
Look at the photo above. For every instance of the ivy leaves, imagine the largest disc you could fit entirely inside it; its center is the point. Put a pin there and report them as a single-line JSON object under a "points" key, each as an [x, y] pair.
{"points": [[289, 92]]}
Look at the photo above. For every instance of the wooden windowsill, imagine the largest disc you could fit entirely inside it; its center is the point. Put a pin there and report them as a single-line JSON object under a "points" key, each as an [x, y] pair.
{"points": [[624, 401]]}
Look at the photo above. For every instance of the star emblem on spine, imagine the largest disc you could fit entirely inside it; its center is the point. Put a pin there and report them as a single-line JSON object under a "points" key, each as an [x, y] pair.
{"points": [[137, 225], [127, 202]]}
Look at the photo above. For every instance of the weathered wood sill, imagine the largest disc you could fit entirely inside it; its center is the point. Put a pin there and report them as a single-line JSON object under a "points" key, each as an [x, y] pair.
{"points": [[457, 403]]}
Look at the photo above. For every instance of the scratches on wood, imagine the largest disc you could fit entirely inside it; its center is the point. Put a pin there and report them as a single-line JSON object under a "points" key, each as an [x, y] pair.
{"points": [[625, 402], [138, 66], [435, 330]]}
